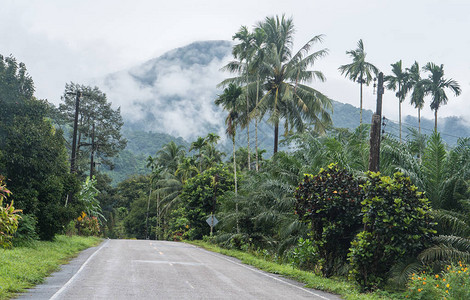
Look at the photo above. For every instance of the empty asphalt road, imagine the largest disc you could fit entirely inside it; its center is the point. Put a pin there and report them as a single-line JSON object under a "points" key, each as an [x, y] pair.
{"points": [[143, 269]]}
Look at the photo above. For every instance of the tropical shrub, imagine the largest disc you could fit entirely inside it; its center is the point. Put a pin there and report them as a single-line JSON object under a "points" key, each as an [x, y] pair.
{"points": [[26, 232], [397, 224], [8, 217], [88, 226], [450, 284], [331, 203], [304, 255], [88, 198], [200, 197]]}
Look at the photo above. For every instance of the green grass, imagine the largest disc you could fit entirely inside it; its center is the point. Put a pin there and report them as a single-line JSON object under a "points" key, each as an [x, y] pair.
{"points": [[24, 267], [345, 289]]}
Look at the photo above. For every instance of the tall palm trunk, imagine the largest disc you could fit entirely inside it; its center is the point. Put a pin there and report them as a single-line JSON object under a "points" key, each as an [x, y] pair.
{"points": [[248, 121], [399, 107], [256, 124], [419, 121], [276, 136], [435, 120], [360, 102], [235, 181]]}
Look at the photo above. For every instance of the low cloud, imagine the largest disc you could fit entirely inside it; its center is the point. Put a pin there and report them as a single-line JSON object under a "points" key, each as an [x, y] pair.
{"points": [[173, 94]]}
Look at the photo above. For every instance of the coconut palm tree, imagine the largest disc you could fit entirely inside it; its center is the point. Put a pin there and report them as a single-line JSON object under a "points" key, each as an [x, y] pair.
{"points": [[199, 145], [398, 82], [230, 100], [170, 155], [435, 85], [417, 96], [286, 96], [359, 70], [244, 52]]}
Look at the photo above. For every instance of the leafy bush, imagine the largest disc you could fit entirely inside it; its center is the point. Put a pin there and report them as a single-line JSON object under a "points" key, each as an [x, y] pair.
{"points": [[26, 232], [200, 197], [331, 203], [88, 226], [397, 224], [451, 284], [8, 217], [304, 256]]}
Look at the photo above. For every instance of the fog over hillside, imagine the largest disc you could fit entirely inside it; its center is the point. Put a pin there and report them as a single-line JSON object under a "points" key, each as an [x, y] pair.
{"points": [[173, 93]]}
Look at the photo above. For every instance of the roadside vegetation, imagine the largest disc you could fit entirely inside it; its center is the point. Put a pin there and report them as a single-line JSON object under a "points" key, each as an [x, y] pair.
{"points": [[26, 266]]}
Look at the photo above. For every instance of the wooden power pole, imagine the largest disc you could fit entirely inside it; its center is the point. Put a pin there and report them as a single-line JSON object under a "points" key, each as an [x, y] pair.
{"points": [[75, 129], [375, 129]]}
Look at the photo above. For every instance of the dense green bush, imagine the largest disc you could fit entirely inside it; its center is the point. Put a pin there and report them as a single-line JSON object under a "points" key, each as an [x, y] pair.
{"points": [[8, 217], [331, 203], [304, 256], [200, 197], [397, 224], [26, 232], [452, 283]]}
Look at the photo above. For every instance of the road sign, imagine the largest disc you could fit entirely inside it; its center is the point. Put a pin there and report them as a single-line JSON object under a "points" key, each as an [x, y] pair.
{"points": [[212, 221]]}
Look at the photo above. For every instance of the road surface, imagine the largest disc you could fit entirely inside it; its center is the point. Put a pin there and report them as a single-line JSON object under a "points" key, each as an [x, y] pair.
{"points": [[144, 269]]}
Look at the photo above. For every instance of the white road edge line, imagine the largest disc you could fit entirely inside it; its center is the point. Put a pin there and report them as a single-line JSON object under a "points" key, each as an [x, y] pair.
{"points": [[75, 275], [265, 274]]}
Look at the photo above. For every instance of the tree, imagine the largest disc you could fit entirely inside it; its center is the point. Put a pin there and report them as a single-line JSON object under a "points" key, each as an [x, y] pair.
{"points": [[99, 125], [170, 156], [286, 96], [359, 70], [398, 82], [34, 158], [201, 196], [244, 51], [230, 100], [199, 145], [417, 96], [435, 85]]}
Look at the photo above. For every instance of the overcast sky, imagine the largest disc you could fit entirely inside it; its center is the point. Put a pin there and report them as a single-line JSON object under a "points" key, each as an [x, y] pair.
{"points": [[78, 40]]}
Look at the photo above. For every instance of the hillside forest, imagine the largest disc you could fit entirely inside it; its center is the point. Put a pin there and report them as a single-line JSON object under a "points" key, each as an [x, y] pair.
{"points": [[309, 200]]}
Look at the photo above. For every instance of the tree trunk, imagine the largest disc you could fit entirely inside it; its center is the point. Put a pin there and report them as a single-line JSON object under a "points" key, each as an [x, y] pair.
{"points": [[399, 108], [435, 120], [235, 181], [276, 136], [399, 116], [248, 122], [360, 104], [419, 121], [256, 124]]}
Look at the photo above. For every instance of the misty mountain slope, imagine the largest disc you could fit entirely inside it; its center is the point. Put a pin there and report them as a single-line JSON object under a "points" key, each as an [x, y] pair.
{"points": [[174, 94]]}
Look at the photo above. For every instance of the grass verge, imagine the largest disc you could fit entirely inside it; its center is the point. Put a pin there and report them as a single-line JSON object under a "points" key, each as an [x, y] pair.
{"points": [[24, 267], [345, 289]]}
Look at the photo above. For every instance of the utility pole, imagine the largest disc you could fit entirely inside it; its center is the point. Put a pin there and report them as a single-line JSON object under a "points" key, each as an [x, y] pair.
{"points": [[374, 155], [92, 164], [75, 129], [74, 138]]}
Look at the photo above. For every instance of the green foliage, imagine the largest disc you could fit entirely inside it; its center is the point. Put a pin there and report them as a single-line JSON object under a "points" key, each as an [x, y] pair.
{"points": [[201, 195], [95, 112], [87, 225], [397, 224], [331, 203], [34, 158], [304, 256], [25, 266], [88, 197], [8, 217], [26, 233], [450, 284]]}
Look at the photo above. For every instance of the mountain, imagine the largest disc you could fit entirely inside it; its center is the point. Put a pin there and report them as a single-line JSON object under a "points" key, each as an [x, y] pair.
{"points": [[174, 95]]}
